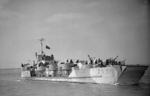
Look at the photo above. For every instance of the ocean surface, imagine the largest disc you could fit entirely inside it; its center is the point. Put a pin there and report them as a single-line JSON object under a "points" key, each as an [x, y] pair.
{"points": [[11, 84]]}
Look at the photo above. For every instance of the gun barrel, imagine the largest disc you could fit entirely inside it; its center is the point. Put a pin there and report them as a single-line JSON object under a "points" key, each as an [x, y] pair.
{"points": [[116, 58], [89, 57], [123, 60]]}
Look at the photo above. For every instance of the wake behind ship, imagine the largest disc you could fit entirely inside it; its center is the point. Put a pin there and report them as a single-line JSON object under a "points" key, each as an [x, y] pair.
{"points": [[95, 70]]}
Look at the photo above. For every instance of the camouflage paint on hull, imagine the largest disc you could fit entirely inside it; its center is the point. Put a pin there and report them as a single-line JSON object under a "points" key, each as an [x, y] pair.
{"points": [[25, 74], [105, 75]]}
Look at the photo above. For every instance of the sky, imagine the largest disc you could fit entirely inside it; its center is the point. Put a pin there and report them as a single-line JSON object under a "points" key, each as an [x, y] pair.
{"points": [[74, 29]]}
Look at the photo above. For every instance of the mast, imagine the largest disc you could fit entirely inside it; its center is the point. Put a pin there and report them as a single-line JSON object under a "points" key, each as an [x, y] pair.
{"points": [[41, 41]]}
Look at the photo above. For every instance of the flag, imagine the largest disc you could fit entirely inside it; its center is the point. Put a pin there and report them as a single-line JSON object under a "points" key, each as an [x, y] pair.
{"points": [[47, 47]]}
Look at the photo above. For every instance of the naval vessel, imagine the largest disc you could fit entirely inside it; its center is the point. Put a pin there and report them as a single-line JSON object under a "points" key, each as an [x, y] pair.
{"points": [[109, 71]]}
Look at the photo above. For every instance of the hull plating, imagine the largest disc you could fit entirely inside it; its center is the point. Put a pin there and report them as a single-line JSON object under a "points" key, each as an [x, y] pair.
{"points": [[132, 75], [124, 75]]}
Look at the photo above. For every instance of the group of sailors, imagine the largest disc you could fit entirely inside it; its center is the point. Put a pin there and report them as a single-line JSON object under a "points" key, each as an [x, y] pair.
{"points": [[96, 62], [93, 61]]}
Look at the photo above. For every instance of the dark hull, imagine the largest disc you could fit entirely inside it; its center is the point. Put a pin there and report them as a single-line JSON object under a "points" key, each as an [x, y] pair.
{"points": [[131, 75]]}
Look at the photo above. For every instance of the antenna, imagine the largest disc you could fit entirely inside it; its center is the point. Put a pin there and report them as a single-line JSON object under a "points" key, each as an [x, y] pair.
{"points": [[41, 41]]}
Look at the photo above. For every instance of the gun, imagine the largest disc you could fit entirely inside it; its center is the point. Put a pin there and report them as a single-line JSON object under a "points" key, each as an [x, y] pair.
{"points": [[123, 60], [91, 61], [89, 57], [115, 58]]}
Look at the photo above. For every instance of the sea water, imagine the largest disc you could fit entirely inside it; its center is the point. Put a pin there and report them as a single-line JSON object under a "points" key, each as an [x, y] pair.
{"points": [[11, 84]]}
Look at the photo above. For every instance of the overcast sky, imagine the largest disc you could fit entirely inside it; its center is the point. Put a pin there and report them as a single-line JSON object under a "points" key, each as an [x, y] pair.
{"points": [[74, 29]]}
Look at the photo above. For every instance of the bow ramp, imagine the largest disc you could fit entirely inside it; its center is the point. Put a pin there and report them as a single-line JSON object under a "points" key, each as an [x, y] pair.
{"points": [[131, 74]]}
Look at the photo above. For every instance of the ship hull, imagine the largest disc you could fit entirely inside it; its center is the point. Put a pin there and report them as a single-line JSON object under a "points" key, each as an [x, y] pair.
{"points": [[113, 75], [105, 75], [68, 79], [131, 75]]}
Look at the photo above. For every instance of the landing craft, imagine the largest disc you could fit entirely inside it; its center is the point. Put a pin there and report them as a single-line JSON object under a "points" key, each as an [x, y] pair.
{"points": [[95, 70]]}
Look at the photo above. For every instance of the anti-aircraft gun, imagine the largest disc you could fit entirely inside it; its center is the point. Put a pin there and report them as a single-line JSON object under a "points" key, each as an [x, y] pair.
{"points": [[91, 60], [111, 61], [122, 62]]}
